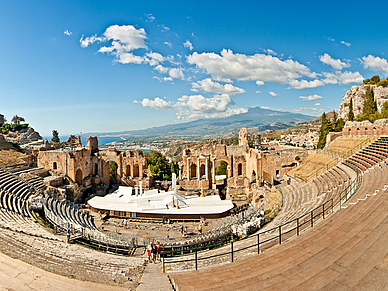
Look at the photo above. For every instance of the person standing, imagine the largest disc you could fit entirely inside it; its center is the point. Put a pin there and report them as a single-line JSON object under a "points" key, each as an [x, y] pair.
{"points": [[154, 252], [149, 249], [186, 230], [68, 234], [159, 249], [200, 228], [181, 229]]}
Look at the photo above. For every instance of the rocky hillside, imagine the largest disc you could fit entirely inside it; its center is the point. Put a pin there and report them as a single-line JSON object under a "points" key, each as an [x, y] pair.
{"points": [[357, 94], [22, 137]]}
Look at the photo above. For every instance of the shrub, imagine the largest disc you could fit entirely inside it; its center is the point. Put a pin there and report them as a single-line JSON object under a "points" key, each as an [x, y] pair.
{"points": [[383, 83]]}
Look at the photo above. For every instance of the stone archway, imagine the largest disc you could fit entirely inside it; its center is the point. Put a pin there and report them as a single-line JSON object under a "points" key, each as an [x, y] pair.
{"points": [[202, 171], [193, 171], [128, 171], [136, 171], [79, 177], [239, 170], [95, 169]]}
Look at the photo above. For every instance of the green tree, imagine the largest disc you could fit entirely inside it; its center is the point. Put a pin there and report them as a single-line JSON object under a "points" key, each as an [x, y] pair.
{"points": [[113, 170], [17, 119], [383, 83], [351, 114], [221, 169], [55, 136], [369, 103], [174, 168], [375, 79], [339, 125], [159, 166], [384, 110], [326, 127]]}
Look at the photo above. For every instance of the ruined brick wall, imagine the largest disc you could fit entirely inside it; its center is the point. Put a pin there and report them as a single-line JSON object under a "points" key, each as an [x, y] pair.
{"points": [[93, 168], [354, 128], [92, 143]]}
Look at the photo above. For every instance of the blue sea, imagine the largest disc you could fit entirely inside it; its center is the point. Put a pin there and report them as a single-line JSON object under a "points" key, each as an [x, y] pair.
{"points": [[101, 141]]}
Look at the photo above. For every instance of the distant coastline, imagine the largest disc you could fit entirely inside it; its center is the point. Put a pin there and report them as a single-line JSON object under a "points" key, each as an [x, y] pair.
{"points": [[101, 141]]}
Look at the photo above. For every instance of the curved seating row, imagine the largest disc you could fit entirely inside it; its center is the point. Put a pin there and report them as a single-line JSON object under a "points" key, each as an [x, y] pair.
{"points": [[369, 156], [347, 251], [68, 213], [299, 200], [63, 216]]}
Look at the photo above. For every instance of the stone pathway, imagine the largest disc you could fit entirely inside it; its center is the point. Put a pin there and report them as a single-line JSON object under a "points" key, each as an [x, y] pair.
{"points": [[154, 279], [16, 275]]}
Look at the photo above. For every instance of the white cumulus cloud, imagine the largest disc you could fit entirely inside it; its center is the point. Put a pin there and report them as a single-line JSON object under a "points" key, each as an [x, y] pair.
{"points": [[350, 77], [157, 103], [124, 39], [303, 84], [262, 67], [188, 44], [67, 32], [376, 64], [259, 83], [176, 73], [348, 44], [273, 94], [310, 98], [209, 86], [168, 43], [336, 64], [196, 106]]}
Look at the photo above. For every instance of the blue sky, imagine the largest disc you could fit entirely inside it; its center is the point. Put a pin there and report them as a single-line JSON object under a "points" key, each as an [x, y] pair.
{"points": [[98, 66]]}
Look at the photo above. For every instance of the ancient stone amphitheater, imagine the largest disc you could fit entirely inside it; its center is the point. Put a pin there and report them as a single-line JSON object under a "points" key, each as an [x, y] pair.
{"points": [[331, 234]]}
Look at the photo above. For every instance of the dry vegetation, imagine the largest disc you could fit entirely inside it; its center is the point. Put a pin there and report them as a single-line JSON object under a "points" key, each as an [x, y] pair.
{"points": [[10, 156], [272, 204], [347, 145], [311, 164]]}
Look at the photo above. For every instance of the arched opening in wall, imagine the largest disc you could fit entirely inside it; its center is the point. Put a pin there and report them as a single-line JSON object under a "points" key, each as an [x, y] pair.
{"points": [[222, 169], [193, 171], [95, 169], [55, 166], [135, 170], [239, 169], [113, 170], [78, 177], [202, 171], [128, 171], [221, 172]]}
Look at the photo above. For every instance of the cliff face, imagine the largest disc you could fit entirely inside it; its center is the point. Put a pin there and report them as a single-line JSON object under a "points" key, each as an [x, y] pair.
{"points": [[357, 93], [24, 136]]}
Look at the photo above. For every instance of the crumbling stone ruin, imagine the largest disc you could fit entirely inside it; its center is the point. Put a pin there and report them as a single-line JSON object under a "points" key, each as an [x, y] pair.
{"points": [[88, 167], [245, 166], [356, 128]]}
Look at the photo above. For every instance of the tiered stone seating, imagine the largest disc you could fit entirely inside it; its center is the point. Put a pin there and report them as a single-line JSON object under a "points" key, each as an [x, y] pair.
{"points": [[299, 200], [347, 251], [68, 213], [71, 260], [370, 155]]}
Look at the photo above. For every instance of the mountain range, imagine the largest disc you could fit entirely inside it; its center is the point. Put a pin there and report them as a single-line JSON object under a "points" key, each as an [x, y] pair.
{"points": [[256, 120]]}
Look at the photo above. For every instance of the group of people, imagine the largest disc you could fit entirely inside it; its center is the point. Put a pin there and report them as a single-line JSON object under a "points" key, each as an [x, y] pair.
{"points": [[154, 252], [183, 230]]}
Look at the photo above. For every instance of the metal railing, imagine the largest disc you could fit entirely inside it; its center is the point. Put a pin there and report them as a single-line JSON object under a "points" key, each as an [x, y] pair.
{"points": [[265, 239], [92, 237]]}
